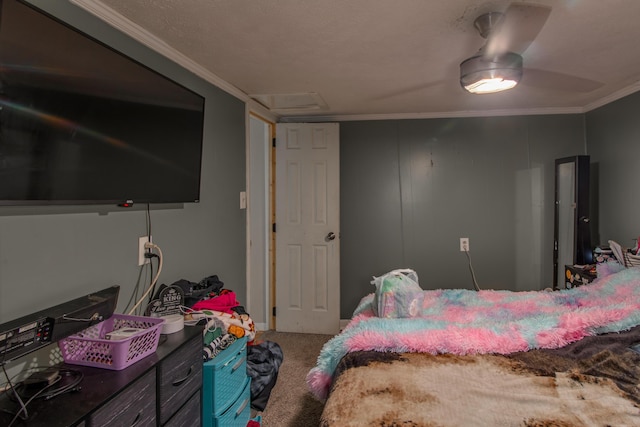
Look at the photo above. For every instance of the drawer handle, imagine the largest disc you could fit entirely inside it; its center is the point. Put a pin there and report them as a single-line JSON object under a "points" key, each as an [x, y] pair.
{"points": [[176, 383], [137, 420], [229, 361], [241, 351], [241, 408], [237, 365]]}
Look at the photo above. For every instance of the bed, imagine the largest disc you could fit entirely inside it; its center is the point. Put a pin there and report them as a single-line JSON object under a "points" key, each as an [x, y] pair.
{"points": [[411, 357]]}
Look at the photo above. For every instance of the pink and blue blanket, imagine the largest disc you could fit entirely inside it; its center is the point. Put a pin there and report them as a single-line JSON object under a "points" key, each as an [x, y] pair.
{"points": [[469, 322]]}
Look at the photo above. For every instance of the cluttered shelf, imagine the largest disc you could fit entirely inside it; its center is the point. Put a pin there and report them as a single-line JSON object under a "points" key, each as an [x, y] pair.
{"points": [[608, 259]]}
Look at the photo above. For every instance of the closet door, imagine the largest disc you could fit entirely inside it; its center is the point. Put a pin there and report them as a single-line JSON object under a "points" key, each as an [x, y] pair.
{"points": [[572, 238]]}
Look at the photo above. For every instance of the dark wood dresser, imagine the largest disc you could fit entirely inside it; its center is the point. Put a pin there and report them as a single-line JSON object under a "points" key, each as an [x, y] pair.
{"points": [[163, 389]]}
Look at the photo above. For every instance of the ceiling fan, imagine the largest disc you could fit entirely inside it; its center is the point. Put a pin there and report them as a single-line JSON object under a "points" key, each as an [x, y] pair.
{"points": [[498, 65], [508, 34]]}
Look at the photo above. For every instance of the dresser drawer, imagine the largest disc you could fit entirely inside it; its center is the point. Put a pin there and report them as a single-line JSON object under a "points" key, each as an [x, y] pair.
{"points": [[189, 415], [224, 377], [135, 405], [239, 413], [179, 376]]}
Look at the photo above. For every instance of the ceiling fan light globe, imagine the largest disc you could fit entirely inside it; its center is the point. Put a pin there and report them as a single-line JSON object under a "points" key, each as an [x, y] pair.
{"points": [[481, 75], [493, 85]]}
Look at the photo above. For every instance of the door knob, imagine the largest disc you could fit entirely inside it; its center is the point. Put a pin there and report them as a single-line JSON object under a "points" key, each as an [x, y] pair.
{"points": [[330, 236]]}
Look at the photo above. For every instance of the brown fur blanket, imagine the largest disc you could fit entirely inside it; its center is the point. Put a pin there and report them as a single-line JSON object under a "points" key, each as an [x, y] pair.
{"points": [[592, 382]]}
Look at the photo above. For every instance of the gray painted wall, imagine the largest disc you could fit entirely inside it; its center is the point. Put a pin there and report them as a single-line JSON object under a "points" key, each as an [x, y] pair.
{"points": [[613, 141], [411, 188], [49, 255]]}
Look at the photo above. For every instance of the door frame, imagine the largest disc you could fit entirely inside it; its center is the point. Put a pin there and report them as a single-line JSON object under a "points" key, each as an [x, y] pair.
{"points": [[265, 322], [269, 321]]}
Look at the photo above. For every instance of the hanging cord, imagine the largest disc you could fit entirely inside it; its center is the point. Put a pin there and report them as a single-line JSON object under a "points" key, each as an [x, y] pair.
{"points": [[150, 245], [148, 220], [55, 388], [473, 274], [146, 267], [23, 406], [153, 287], [134, 293], [72, 385], [94, 317]]}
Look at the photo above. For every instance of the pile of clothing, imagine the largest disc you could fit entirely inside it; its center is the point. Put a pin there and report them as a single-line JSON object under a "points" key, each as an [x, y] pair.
{"points": [[226, 320]]}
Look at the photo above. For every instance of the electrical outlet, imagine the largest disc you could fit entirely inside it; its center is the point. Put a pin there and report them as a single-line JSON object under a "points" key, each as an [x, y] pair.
{"points": [[142, 250], [464, 244]]}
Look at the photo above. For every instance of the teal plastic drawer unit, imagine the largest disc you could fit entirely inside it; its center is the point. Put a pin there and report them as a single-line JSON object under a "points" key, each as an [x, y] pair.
{"points": [[238, 414], [225, 388]]}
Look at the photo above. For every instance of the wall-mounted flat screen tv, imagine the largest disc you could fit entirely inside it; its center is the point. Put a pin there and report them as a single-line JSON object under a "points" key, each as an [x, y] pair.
{"points": [[82, 123]]}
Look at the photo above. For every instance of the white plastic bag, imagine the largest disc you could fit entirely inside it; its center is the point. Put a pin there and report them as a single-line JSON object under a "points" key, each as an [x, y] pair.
{"points": [[396, 292]]}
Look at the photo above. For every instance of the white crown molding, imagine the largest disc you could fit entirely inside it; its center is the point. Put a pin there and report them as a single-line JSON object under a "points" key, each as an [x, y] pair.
{"points": [[633, 88], [128, 27], [434, 115], [259, 110], [116, 20]]}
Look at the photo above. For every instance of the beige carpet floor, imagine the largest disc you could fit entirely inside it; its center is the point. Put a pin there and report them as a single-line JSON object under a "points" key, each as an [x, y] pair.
{"points": [[290, 403]]}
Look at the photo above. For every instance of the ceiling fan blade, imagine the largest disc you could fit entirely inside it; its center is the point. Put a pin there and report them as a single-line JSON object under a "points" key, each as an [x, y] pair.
{"points": [[518, 27], [408, 90], [543, 79]]}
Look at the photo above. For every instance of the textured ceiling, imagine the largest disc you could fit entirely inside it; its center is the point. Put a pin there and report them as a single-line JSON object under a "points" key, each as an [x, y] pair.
{"points": [[366, 58]]}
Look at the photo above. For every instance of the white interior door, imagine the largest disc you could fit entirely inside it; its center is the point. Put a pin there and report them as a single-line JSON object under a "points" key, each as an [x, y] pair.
{"points": [[307, 228]]}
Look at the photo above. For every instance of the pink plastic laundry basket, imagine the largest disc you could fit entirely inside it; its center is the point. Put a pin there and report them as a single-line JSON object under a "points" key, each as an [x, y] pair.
{"points": [[90, 348]]}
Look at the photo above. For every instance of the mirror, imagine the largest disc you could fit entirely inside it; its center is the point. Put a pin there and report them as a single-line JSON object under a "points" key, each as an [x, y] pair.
{"points": [[572, 239]]}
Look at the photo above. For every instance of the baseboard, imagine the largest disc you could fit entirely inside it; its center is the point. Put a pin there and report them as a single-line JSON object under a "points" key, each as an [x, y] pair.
{"points": [[261, 326]]}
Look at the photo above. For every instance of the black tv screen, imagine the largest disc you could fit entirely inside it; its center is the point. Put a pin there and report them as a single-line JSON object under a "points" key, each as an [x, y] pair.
{"points": [[82, 123]]}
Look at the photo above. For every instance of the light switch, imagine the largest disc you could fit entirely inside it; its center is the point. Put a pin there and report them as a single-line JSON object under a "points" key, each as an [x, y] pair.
{"points": [[243, 200]]}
